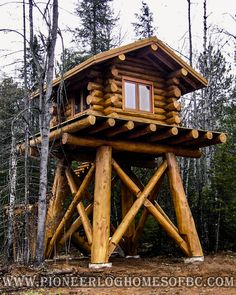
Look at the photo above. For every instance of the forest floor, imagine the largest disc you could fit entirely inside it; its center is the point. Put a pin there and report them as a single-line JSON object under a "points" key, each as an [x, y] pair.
{"points": [[158, 275]]}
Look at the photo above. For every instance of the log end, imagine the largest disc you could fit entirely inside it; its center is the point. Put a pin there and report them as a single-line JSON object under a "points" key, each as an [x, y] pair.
{"points": [[92, 119]]}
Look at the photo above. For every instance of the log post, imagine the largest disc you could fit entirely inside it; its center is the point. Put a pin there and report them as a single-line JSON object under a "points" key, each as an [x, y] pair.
{"points": [[102, 208], [126, 204], [184, 217], [56, 204]]}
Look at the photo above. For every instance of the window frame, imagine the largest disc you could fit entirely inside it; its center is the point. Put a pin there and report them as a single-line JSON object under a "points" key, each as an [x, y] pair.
{"points": [[82, 98], [137, 82]]}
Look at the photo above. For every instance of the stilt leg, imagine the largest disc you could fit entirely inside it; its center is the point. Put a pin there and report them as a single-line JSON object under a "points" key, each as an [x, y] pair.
{"points": [[102, 208], [184, 216], [126, 204]]}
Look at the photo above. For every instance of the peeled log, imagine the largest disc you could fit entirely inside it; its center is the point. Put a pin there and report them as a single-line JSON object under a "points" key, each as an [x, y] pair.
{"points": [[173, 120], [178, 74], [94, 86], [137, 147], [56, 134]]}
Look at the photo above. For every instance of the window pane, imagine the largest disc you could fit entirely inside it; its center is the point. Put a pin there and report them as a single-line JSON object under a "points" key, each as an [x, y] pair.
{"points": [[145, 98], [130, 100]]}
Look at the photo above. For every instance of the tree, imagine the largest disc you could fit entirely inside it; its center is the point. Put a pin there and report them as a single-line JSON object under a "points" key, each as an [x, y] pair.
{"points": [[97, 24], [144, 26]]}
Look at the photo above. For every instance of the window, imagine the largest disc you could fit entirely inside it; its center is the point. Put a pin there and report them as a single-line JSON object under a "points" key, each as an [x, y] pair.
{"points": [[138, 95], [80, 104]]}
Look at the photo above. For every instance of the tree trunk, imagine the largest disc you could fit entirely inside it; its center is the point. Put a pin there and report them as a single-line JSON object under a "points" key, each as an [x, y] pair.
{"points": [[45, 130]]}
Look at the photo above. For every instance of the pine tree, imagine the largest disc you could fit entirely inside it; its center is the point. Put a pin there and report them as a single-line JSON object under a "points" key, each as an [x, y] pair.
{"points": [[97, 24], [144, 26]]}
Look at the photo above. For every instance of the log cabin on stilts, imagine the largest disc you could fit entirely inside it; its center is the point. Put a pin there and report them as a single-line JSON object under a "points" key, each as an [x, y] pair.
{"points": [[121, 109]]}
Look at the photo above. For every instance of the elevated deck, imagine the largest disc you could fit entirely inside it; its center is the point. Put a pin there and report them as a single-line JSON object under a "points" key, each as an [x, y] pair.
{"points": [[126, 135]]}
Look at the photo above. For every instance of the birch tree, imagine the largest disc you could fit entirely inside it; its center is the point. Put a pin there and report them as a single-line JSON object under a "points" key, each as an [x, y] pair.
{"points": [[45, 73]]}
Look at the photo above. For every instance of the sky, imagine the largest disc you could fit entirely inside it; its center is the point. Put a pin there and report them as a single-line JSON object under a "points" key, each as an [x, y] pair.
{"points": [[170, 17]]}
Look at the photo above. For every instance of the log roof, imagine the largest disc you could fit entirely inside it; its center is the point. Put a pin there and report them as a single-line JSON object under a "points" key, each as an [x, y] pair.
{"points": [[164, 59]]}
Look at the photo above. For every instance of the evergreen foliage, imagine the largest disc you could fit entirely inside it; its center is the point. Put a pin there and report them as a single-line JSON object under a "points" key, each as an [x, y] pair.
{"points": [[144, 27], [97, 24]]}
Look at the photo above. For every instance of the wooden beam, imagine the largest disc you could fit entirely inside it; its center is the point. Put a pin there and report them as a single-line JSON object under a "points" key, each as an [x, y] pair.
{"points": [[126, 204], [56, 205], [190, 135], [142, 131], [141, 198], [75, 226], [178, 74], [86, 223], [142, 220], [136, 147], [102, 205], [220, 138], [69, 213], [165, 215], [80, 207], [103, 126], [80, 242], [164, 134], [153, 210], [203, 138], [184, 217], [120, 129], [56, 134]]}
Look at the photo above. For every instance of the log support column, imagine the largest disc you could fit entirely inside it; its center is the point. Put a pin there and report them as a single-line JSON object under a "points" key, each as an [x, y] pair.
{"points": [[186, 225], [102, 208]]}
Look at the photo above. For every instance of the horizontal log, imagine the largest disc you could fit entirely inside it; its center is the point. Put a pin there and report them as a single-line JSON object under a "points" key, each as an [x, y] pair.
{"points": [[110, 110], [117, 82], [159, 91], [164, 134], [203, 138], [94, 86], [221, 138], [174, 106], [171, 100], [173, 120], [173, 81], [127, 146], [138, 70], [103, 126], [159, 111], [56, 134], [130, 116], [114, 100], [160, 98], [171, 114], [192, 134], [120, 129], [94, 100], [176, 92], [158, 103], [143, 131], [139, 75], [109, 95], [178, 74], [111, 87], [97, 93], [97, 108]]}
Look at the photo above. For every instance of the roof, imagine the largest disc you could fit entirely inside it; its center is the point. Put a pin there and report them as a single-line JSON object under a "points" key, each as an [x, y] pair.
{"points": [[164, 56]]}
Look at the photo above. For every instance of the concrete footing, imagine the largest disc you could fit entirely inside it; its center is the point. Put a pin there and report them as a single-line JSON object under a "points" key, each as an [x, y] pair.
{"points": [[194, 259], [100, 265]]}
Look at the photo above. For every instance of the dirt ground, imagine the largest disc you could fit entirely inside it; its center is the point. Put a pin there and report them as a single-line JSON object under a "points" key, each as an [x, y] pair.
{"points": [[159, 275]]}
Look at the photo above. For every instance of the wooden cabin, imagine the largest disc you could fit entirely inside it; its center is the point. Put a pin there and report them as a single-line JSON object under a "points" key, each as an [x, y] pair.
{"points": [[120, 109]]}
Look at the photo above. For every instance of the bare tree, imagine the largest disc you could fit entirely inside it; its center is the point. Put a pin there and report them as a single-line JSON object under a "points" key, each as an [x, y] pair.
{"points": [[45, 75]]}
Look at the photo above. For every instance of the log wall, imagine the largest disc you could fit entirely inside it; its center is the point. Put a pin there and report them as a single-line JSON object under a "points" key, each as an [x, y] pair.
{"points": [[105, 92]]}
